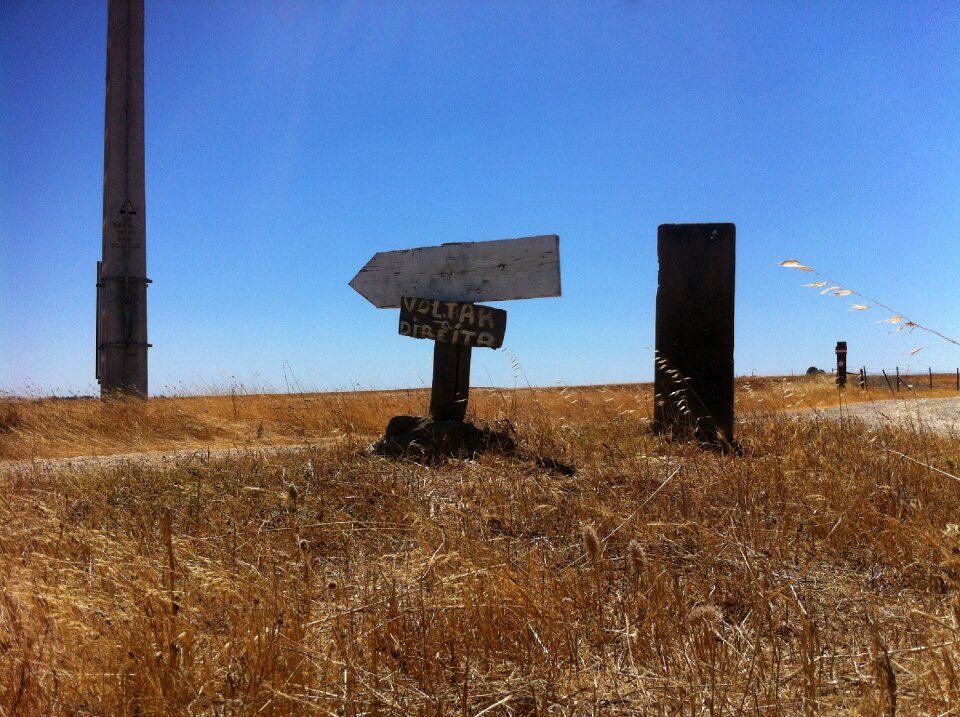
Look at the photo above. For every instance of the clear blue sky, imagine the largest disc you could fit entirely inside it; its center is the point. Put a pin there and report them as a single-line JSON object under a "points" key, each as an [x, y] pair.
{"points": [[287, 142]]}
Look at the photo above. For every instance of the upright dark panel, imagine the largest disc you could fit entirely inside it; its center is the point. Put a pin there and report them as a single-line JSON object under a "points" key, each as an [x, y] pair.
{"points": [[693, 384]]}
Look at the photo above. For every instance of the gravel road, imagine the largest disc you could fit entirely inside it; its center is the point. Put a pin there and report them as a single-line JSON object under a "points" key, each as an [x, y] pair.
{"points": [[937, 414], [151, 458]]}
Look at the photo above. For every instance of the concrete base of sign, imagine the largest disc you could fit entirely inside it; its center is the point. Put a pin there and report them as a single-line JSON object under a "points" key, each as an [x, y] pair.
{"points": [[424, 438]]}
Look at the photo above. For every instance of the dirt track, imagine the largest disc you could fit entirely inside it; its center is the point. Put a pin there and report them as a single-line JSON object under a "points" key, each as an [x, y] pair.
{"points": [[152, 458], [937, 414]]}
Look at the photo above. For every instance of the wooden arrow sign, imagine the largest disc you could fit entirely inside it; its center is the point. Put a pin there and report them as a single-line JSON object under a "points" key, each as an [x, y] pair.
{"points": [[525, 268]]}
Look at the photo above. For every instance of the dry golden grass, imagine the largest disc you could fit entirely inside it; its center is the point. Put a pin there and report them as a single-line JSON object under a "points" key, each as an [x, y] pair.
{"points": [[62, 428], [815, 574], [57, 428]]}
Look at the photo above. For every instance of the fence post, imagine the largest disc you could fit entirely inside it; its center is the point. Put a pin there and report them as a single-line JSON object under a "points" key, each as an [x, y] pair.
{"points": [[863, 378], [887, 379], [898, 379], [930, 374]]}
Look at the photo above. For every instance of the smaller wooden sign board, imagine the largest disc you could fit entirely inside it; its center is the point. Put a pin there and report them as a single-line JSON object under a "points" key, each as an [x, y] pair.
{"points": [[452, 322]]}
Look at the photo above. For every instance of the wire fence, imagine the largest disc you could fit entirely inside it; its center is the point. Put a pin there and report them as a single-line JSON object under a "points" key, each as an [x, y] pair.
{"points": [[895, 381]]}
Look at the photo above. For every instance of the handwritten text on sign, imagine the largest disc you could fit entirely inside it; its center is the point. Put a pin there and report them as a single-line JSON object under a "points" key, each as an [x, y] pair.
{"points": [[452, 322]]}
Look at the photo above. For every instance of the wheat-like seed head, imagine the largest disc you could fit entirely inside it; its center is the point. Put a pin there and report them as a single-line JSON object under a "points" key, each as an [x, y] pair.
{"points": [[591, 543], [638, 558], [704, 614]]}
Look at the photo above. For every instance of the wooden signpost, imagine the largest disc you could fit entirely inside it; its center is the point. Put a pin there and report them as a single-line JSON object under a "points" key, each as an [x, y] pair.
{"points": [[435, 289], [456, 327]]}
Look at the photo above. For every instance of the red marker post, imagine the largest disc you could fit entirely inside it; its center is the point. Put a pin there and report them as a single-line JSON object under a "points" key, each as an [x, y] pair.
{"points": [[842, 364]]}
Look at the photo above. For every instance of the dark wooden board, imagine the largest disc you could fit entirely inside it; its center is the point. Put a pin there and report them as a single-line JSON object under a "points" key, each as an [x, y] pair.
{"points": [[452, 322], [693, 378]]}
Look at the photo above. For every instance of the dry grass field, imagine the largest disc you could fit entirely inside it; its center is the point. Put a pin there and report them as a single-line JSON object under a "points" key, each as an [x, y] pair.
{"points": [[816, 574]]}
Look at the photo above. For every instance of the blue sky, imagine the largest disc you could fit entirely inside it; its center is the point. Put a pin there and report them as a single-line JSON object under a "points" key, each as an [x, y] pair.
{"points": [[287, 142]]}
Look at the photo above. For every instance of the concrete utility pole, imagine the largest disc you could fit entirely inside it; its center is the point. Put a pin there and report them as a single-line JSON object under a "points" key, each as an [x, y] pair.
{"points": [[122, 273]]}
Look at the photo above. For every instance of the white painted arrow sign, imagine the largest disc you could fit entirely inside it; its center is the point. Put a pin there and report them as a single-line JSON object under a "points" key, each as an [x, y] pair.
{"points": [[525, 268]]}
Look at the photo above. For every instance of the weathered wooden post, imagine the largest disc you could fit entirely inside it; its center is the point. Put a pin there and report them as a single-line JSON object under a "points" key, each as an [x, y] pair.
{"points": [[450, 390], [121, 336], [435, 289], [842, 364], [693, 373]]}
